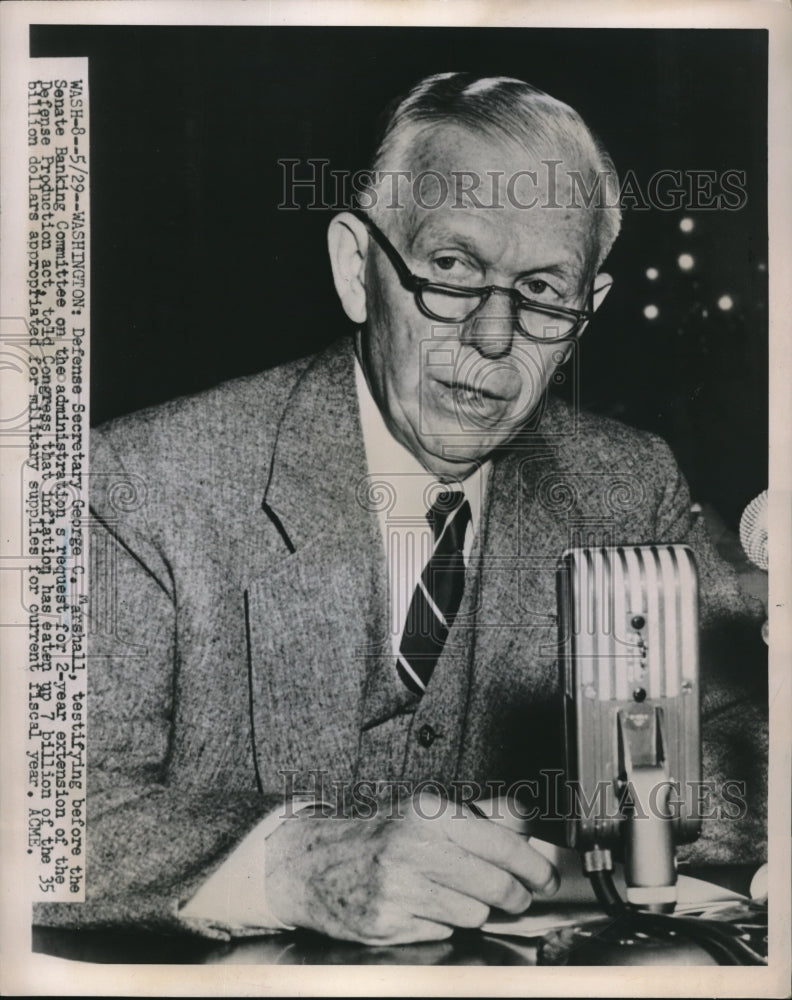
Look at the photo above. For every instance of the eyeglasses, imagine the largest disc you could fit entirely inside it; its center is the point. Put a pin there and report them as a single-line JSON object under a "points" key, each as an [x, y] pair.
{"points": [[457, 303]]}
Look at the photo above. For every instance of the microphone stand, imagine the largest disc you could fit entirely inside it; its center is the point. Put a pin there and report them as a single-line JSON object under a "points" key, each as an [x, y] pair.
{"points": [[649, 855]]}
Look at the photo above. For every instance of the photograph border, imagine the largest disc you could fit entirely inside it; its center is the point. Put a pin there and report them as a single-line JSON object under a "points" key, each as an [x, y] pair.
{"points": [[31, 974]]}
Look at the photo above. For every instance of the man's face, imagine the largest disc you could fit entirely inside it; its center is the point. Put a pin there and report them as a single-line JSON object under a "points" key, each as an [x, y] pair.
{"points": [[452, 392]]}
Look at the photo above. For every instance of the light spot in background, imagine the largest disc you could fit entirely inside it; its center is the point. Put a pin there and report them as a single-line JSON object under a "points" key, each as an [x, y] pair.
{"points": [[686, 225], [652, 273], [725, 302], [685, 261], [651, 312]]}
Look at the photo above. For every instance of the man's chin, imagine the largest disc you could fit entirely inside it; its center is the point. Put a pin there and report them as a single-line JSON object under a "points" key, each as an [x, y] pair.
{"points": [[458, 454]]}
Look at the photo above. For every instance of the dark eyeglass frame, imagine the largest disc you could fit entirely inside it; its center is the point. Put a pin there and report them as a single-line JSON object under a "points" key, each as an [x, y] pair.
{"points": [[417, 285]]}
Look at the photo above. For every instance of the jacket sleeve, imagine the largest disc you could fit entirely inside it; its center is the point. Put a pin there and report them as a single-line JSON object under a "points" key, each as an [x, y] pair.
{"points": [[733, 689], [150, 842]]}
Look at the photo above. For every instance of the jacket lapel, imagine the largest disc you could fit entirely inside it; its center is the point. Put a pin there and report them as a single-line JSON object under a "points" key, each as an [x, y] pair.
{"points": [[318, 618], [515, 637]]}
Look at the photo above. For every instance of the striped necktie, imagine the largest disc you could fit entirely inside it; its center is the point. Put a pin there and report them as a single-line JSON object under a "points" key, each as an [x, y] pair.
{"points": [[438, 594]]}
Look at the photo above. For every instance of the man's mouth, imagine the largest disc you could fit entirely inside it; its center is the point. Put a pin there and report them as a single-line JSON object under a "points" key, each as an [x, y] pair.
{"points": [[466, 392]]}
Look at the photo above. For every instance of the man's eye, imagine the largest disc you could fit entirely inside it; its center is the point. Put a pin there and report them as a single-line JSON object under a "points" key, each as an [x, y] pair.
{"points": [[455, 270], [537, 287]]}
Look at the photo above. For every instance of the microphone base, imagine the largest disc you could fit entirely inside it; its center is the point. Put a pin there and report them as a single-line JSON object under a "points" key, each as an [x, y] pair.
{"points": [[653, 899]]}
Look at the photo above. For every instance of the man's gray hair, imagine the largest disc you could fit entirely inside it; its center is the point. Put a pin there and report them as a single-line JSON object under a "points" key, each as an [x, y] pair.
{"points": [[511, 110]]}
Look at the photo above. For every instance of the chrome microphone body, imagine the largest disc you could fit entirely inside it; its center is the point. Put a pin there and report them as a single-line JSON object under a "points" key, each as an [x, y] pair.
{"points": [[628, 633]]}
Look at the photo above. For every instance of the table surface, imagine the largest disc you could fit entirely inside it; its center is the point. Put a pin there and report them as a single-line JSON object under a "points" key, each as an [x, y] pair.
{"points": [[305, 948]]}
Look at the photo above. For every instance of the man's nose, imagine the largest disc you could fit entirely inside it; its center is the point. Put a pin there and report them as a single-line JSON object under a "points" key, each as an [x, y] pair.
{"points": [[492, 330]]}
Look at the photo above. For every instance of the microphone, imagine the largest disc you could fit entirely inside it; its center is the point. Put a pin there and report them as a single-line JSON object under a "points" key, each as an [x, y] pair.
{"points": [[753, 531], [753, 538], [628, 636]]}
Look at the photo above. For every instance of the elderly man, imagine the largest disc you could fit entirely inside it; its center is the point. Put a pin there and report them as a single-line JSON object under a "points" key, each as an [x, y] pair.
{"points": [[321, 587]]}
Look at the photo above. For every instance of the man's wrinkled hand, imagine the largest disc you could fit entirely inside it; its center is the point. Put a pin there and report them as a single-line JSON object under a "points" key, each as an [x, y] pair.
{"points": [[411, 876]]}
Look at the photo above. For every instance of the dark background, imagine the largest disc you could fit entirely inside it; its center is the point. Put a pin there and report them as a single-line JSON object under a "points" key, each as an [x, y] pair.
{"points": [[197, 276]]}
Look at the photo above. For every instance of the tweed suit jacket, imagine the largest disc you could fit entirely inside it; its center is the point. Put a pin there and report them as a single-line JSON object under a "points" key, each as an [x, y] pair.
{"points": [[239, 642]]}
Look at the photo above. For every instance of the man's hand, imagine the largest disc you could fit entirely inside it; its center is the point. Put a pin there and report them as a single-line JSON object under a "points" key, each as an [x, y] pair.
{"points": [[411, 877]]}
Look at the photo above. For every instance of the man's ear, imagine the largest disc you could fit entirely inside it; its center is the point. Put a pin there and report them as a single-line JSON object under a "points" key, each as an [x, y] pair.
{"points": [[602, 285], [347, 243]]}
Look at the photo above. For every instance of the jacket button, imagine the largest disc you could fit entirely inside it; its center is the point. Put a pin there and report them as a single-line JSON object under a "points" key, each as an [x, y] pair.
{"points": [[426, 736]]}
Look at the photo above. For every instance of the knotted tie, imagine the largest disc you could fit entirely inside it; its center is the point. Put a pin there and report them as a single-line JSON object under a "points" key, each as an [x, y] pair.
{"points": [[438, 594]]}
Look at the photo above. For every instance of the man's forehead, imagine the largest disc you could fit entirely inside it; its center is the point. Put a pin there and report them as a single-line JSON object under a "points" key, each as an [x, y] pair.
{"points": [[462, 184], [493, 197], [453, 151]]}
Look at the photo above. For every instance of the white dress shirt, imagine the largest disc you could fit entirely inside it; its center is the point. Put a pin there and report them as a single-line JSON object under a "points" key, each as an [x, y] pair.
{"points": [[401, 490], [405, 491]]}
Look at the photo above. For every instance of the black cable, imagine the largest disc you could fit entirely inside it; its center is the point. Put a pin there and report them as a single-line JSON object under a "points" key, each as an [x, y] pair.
{"points": [[607, 894], [639, 920], [724, 947]]}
